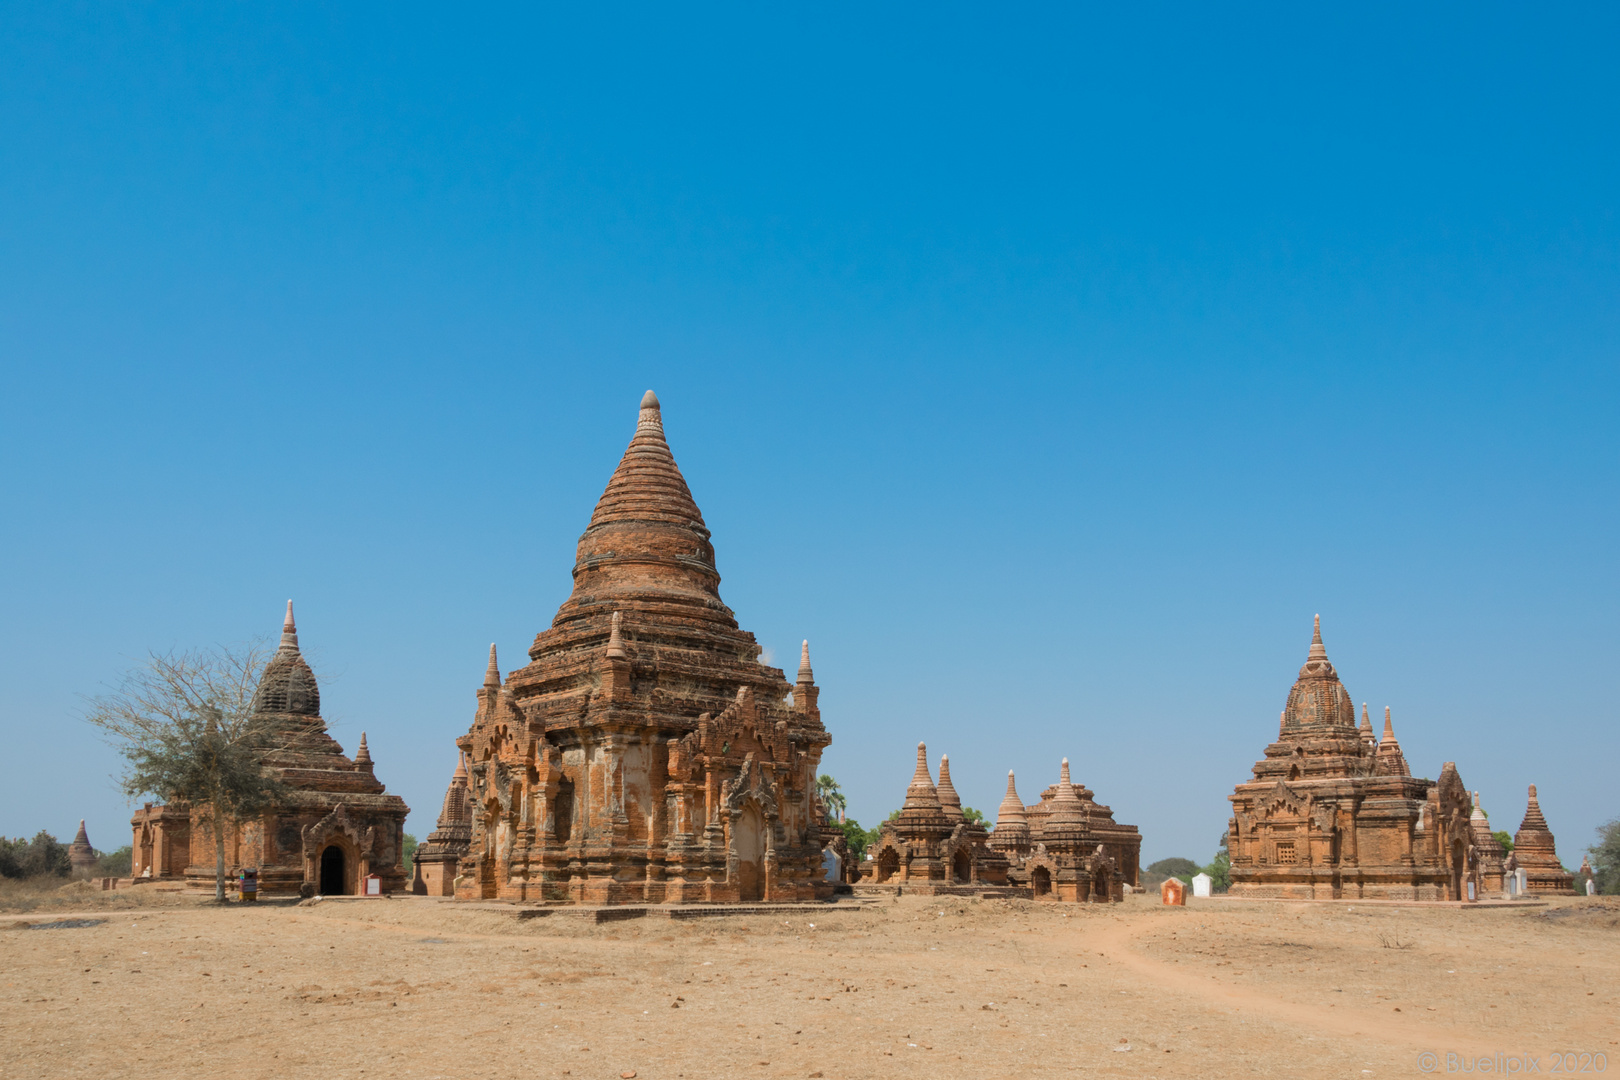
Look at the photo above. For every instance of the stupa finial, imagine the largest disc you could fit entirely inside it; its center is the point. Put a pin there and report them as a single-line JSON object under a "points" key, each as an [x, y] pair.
{"points": [[805, 674], [949, 800], [492, 674], [615, 648], [289, 630], [652, 416], [921, 793], [1011, 812], [1318, 650]]}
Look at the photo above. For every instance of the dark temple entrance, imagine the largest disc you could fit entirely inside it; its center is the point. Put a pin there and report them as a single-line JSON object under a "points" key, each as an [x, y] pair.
{"points": [[332, 871]]}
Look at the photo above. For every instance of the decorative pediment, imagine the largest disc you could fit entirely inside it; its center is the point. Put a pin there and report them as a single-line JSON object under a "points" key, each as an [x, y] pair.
{"points": [[338, 822], [1099, 860], [1283, 797], [749, 783]]}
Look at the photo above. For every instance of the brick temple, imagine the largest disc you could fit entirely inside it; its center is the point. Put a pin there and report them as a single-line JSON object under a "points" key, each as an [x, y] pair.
{"points": [[645, 753], [337, 826], [930, 847], [1067, 847], [1332, 812], [1536, 853]]}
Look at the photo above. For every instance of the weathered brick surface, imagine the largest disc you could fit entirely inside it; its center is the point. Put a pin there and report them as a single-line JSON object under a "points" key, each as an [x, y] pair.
{"points": [[337, 805], [1536, 853], [644, 754], [1331, 812]]}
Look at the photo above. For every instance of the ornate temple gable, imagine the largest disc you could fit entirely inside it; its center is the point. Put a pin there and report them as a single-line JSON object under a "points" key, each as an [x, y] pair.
{"points": [[750, 783], [1284, 798]]}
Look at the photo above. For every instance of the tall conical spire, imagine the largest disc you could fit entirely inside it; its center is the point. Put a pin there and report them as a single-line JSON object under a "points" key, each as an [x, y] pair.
{"points": [[492, 674], [805, 674], [949, 800], [1011, 811], [1391, 762], [289, 630], [287, 684], [1477, 814], [1067, 809], [920, 793], [81, 856], [615, 645], [1365, 729], [1318, 702], [646, 541], [362, 756], [1533, 817]]}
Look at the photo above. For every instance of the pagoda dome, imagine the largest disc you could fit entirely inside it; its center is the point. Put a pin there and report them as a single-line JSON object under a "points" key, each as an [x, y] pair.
{"points": [[1318, 701], [288, 685], [646, 544]]}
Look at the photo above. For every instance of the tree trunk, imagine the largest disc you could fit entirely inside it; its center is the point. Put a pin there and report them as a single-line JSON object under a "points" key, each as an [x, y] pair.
{"points": [[219, 859]]}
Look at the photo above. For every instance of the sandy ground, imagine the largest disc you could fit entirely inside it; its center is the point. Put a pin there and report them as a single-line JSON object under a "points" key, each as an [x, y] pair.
{"points": [[907, 988]]}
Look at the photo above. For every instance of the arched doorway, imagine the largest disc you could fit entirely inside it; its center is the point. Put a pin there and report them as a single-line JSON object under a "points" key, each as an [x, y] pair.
{"points": [[1041, 880], [1102, 887], [748, 841], [333, 876], [962, 866], [888, 864]]}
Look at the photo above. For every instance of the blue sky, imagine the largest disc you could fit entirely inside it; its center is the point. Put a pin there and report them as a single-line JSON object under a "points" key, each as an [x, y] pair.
{"points": [[1047, 369]]}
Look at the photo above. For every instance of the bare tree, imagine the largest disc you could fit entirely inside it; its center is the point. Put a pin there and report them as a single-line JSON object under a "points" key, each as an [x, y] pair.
{"points": [[185, 725]]}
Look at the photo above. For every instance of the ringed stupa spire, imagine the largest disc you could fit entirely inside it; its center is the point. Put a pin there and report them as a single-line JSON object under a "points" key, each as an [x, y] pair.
{"points": [[921, 793], [289, 630], [949, 800]]}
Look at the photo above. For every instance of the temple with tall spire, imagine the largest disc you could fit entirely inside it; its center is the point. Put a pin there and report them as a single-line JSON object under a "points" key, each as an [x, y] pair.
{"points": [[930, 847], [645, 753], [335, 827], [1536, 854], [1332, 812]]}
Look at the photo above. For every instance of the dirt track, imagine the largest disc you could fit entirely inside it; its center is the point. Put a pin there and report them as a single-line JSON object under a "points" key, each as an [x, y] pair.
{"points": [[415, 988]]}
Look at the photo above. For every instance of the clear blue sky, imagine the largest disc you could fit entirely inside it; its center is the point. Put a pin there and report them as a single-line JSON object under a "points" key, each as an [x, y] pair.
{"points": [[1047, 369]]}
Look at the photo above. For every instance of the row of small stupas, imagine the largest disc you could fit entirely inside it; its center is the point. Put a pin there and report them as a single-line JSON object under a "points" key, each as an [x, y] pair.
{"points": [[335, 828], [1333, 812], [1065, 847]]}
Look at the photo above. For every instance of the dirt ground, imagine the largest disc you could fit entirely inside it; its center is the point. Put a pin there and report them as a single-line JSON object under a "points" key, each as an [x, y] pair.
{"points": [[904, 988]]}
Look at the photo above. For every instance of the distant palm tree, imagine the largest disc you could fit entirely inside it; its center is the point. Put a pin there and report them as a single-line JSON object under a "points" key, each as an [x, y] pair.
{"points": [[833, 799]]}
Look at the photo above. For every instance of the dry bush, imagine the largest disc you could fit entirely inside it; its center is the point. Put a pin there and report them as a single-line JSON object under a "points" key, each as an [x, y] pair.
{"points": [[24, 895]]}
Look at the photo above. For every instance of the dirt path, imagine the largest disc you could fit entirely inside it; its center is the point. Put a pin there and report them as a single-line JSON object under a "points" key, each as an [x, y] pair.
{"points": [[914, 988]]}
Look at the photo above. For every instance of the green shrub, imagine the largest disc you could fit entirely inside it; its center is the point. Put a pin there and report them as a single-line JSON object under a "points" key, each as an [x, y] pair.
{"points": [[43, 856], [113, 863]]}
